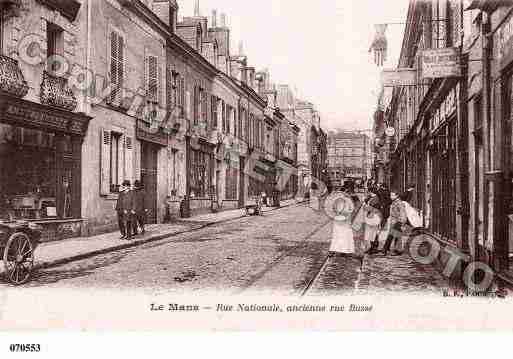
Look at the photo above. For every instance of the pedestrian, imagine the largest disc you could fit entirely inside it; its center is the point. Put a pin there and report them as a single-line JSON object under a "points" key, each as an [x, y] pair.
{"points": [[124, 208], [139, 207], [358, 227], [373, 221], [264, 198], [407, 195], [342, 241], [397, 220]]}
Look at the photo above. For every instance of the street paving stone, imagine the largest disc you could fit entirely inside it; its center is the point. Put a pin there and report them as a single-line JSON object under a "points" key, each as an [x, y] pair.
{"points": [[279, 252]]}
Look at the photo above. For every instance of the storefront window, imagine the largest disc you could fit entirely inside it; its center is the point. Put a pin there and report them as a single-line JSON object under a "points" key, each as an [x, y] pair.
{"points": [[35, 182], [200, 179]]}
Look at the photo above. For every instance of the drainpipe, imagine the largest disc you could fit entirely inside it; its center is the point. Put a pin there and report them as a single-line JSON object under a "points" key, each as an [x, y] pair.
{"points": [[489, 179]]}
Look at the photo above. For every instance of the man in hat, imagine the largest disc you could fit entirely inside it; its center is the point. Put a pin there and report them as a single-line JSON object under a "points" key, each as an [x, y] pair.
{"points": [[124, 208], [139, 207]]}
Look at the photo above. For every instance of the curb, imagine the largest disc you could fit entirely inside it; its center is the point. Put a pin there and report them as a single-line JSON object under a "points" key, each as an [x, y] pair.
{"points": [[132, 244]]}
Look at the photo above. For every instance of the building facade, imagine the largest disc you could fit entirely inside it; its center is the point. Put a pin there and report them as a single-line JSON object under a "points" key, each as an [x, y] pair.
{"points": [[43, 126], [348, 156], [452, 135]]}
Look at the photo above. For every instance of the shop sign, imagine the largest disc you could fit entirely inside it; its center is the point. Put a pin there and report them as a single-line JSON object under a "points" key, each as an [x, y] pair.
{"points": [[32, 116], [159, 137], [505, 42], [446, 109], [437, 63], [390, 131], [399, 77]]}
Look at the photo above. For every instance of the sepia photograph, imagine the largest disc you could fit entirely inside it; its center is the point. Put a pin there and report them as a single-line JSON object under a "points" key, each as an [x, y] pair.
{"points": [[231, 165]]}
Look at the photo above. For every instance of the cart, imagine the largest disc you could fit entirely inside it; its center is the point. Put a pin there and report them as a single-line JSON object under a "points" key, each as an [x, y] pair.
{"points": [[254, 206], [18, 241]]}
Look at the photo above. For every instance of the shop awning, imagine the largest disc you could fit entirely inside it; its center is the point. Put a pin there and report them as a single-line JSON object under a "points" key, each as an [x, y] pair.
{"points": [[487, 5], [68, 8]]}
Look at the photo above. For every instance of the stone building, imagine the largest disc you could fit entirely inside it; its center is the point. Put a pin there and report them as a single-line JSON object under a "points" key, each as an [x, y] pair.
{"points": [[452, 134], [348, 156], [43, 127]]}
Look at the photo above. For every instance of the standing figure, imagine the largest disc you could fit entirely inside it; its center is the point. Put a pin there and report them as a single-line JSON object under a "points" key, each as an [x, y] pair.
{"points": [[342, 241], [124, 208], [373, 221], [397, 220], [139, 207]]}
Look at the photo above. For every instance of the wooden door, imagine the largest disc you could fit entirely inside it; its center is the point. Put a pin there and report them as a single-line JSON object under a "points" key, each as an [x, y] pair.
{"points": [[149, 179]]}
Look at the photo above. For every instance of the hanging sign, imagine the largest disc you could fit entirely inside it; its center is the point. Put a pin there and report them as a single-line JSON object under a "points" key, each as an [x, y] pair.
{"points": [[398, 77], [437, 63], [390, 131]]}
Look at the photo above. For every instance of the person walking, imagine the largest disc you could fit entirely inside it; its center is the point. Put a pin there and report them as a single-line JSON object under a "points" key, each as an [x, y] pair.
{"points": [[373, 221], [124, 208], [342, 241], [397, 220], [139, 208]]}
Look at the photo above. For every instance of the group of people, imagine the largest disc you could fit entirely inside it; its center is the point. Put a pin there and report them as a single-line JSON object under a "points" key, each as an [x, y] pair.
{"points": [[131, 210], [381, 212]]}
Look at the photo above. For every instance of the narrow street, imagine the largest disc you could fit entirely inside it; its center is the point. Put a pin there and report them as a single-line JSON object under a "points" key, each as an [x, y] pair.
{"points": [[283, 252]]}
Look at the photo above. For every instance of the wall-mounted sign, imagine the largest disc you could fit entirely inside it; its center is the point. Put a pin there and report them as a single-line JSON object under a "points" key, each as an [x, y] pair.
{"points": [[398, 77], [438, 63], [505, 41], [390, 131]]}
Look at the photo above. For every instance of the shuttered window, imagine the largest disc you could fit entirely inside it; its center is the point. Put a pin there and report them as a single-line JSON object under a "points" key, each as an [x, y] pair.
{"points": [[116, 66], [152, 79], [214, 104]]}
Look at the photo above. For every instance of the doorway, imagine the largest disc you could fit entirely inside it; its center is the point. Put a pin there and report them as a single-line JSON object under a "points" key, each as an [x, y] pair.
{"points": [[149, 179]]}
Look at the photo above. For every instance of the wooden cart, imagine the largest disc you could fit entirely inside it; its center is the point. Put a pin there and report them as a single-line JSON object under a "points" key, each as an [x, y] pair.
{"points": [[18, 241]]}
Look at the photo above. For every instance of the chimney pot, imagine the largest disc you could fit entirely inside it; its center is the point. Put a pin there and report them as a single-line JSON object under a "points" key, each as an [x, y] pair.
{"points": [[214, 18], [197, 8]]}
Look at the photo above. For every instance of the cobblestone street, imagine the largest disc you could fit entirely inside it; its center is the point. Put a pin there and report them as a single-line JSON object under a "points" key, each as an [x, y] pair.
{"points": [[282, 252]]}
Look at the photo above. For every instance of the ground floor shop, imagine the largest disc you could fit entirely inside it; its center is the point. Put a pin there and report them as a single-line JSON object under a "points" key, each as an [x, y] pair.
{"points": [[40, 166]]}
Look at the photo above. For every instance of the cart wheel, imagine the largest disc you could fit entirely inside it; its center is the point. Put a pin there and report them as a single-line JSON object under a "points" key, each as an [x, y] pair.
{"points": [[18, 258]]}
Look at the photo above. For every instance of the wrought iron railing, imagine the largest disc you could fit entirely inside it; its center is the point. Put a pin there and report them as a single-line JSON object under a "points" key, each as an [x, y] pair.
{"points": [[12, 80], [55, 91]]}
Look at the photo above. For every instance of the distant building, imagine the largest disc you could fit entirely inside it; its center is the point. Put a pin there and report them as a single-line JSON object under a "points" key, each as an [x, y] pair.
{"points": [[348, 156]]}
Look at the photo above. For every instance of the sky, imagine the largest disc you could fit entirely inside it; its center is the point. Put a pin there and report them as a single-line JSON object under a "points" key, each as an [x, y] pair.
{"points": [[320, 48]]}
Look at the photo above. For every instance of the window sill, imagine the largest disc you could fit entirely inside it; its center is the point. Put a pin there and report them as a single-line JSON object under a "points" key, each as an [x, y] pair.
{"points": [[111, 196]]}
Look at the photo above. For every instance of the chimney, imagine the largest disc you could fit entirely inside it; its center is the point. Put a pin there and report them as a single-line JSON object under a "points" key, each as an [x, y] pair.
{"points": [[241, 48], [223, 19], [197, 9], [214, 18], [162, 9]]}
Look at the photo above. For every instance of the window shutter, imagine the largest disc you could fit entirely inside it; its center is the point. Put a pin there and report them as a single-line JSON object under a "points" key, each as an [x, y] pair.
{"points": [[116, 66], [153, 92], [129, 160], [104, 162], [222, 117]]}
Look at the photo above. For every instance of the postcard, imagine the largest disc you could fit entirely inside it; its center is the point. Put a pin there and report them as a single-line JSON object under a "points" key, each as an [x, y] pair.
{"points": [[228, 165]]}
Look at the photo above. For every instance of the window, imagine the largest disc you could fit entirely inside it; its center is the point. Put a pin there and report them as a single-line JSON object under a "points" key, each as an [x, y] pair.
{"points": [[152, 82], [200, 170], [116, 66], [229, 116], [2, 15], [223, 115], [204, 108], [54, 45], [214, 104], [115, 161], [231, 183]]}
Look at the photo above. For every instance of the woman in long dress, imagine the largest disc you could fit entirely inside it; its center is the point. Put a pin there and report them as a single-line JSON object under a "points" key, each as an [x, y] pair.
{"points": [[342, 241]]}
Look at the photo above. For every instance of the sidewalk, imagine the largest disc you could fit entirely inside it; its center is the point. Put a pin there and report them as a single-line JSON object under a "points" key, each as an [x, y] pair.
{"points": [[60, 252]]}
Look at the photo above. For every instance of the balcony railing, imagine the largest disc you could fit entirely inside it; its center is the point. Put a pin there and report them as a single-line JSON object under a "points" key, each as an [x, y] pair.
{"points": [[12, 81], [56, 92]]}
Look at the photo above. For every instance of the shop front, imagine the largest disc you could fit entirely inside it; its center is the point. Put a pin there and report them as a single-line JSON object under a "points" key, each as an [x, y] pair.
{"points": [[200, 192], [40, 166], [152, 142]]}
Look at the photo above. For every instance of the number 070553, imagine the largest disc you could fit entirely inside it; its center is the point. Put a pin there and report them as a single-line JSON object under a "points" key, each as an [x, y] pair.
{"points": [[25, 348]]}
